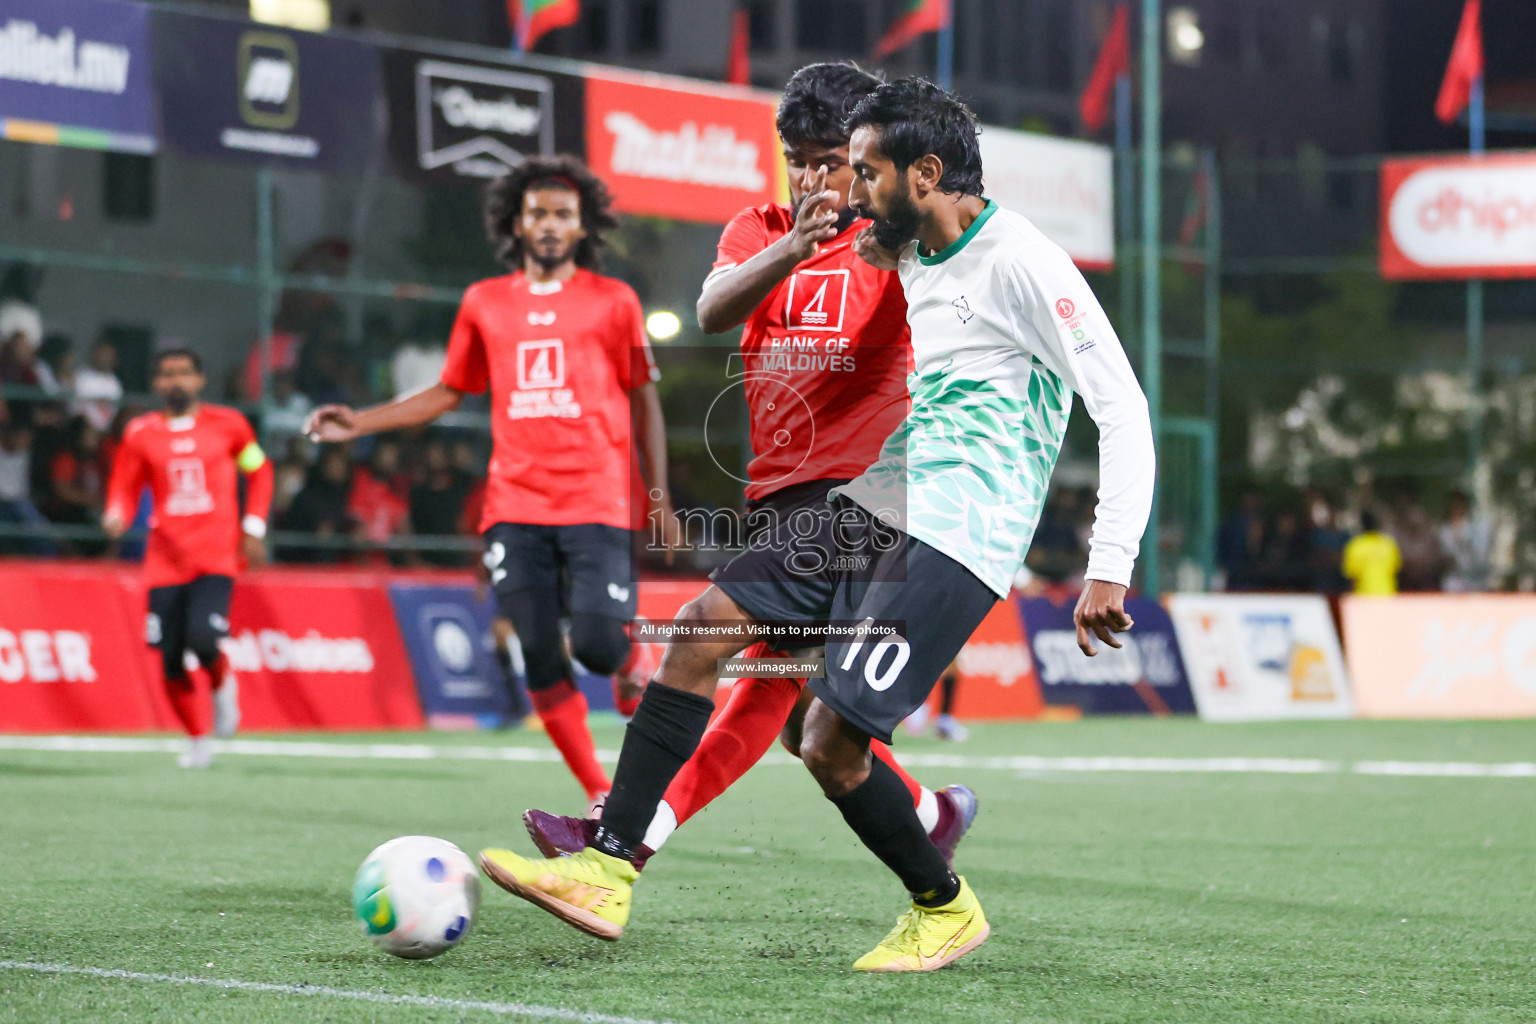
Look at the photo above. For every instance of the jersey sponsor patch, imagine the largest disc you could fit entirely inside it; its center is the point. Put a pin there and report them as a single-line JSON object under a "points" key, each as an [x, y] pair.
{"points": [[815, 299]]}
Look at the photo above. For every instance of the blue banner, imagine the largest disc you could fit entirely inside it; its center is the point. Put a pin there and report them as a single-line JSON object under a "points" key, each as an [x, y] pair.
{"points": [[241, 91], [447, 632], [1145, 676], [77, 73]]}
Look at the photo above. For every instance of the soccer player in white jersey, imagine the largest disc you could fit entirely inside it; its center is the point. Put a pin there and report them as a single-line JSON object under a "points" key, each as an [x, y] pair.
{"points": [[923, 543]]}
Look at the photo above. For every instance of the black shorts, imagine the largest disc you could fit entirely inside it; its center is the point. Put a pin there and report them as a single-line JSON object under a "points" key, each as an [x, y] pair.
{"points": [[191, 615], [591, 566], [896, 610]]}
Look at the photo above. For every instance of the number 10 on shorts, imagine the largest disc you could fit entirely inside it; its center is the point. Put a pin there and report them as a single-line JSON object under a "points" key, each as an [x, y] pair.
{"points": [[878, 675]]}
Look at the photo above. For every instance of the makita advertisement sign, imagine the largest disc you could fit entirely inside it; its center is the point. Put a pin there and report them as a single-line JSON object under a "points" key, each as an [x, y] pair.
{"points": [[77, 73], [466, 121]]}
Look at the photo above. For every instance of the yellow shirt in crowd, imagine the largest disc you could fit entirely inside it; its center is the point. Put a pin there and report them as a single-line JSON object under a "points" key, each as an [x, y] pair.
{"points": [[1372, 560]]}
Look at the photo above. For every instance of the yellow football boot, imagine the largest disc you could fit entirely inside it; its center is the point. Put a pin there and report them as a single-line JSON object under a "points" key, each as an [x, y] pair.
{"points": [[927, 938], [587, 890]]}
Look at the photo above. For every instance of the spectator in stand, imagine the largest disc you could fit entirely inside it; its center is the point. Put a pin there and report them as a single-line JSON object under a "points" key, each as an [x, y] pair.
{"points": [[321, 507], [437, 503], [290, 474], [1423, 561], [283, 419], [1283, 559], [375, 501], [1371, 559], [1240, 542], [75, 482], [16, 507], [1325, 546], [1467, 541], [21, 332], [97, 391], [1056, 553], [56, 364]]}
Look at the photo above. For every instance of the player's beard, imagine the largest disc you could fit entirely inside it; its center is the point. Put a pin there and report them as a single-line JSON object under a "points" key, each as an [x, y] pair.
{"points": [[551, 257], [898, 225], [178, 401]]}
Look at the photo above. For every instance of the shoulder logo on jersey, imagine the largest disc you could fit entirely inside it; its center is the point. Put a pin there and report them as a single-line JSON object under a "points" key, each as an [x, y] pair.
{"points": [[189, 488], [963, 310], [815, 300], [541, 319], [541, 364], [1065, 309]]}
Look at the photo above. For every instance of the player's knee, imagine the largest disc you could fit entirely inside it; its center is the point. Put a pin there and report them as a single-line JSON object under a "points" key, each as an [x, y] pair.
{"points": [[599, 642], [545, 666]]}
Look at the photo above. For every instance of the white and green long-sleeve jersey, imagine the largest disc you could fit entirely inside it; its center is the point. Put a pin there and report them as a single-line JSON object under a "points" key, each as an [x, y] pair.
{"points": [[1004, 330]]}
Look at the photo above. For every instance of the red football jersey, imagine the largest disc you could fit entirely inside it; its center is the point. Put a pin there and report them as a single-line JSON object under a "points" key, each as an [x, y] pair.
{"points": [[191, 465], [826, 357], [560, 360]]}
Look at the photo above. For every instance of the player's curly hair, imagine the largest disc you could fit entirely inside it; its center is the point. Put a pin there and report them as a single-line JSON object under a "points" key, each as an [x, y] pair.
{"points": [[504, 202]]}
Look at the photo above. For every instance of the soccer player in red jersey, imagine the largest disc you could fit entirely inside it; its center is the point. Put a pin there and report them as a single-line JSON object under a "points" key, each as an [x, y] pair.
{"points": [[573, 398], [826, 352], [191, 455]]}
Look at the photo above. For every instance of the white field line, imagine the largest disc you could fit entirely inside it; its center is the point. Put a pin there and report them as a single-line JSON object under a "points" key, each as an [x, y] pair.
{"points": [[358, 995], [427, 752]]}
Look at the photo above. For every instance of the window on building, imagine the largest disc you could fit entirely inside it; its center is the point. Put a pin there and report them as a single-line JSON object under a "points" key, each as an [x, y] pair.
{"points": [[1058, 45], [1341, 55], [833, 26], [593, 28], [1223, 35], [644, 35], [1269, 39], [763, 26], [128, 186]]}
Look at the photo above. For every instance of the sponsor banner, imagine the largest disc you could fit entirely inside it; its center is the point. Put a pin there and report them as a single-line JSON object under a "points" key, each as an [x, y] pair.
{"points": [[72, 652], [1145, 676], [241, 91], [690, 154], [77, 73], [318, 650], [1261, 656], [1442, 656], [457, 120], [1064, 186], [447, 631], [1459, 217]]}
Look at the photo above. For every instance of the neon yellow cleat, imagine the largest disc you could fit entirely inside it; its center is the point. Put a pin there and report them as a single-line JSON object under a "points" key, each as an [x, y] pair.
{"points": [[587, 890], [927, 938]]}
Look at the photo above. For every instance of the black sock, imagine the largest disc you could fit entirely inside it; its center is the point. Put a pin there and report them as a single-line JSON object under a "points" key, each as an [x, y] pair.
{"points": [[880, 812], [661, 737], [517, 703], [947, 683]]}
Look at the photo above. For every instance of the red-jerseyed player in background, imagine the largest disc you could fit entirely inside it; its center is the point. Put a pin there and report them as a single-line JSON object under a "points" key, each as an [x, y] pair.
{"points": [[826, 352], [573, 398], [191, 455]]}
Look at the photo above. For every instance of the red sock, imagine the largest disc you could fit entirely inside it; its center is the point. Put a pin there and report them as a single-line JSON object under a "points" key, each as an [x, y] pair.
{"points": [[883, 752], [563, 710], [183, 697], [752, 719]]}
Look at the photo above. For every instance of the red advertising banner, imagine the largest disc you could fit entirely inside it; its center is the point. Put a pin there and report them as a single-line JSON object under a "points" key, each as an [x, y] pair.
{"points": [[1459, 217], [997, 673], [320, 650], [72, 653], [696, 154]]}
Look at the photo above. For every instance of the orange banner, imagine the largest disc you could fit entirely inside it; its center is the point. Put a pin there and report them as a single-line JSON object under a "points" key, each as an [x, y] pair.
{"points": [[1442, 656]]}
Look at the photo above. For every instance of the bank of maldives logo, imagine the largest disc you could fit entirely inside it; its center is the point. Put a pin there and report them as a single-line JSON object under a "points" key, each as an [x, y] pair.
{"points": [[815, 299], [269, 80], [481, 121]]}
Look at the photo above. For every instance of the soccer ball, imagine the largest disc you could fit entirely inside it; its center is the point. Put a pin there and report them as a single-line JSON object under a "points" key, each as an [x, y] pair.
{"points": [[416, 896]]}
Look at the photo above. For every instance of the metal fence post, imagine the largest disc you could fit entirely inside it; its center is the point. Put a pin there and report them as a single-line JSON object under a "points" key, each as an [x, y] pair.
{"points": [[1151, 256]]}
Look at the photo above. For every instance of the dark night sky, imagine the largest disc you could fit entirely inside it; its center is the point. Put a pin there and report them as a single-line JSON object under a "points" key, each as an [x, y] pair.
{"points": [[1419, 36]]}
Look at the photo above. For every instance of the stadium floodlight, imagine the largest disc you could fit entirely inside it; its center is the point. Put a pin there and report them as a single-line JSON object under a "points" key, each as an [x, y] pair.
{"points": [[1186, 39], [663, 325], [309, 15]]}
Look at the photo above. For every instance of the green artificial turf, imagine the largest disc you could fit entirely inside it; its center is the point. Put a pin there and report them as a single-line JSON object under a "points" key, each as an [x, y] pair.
{"points": [[1114, 897]]}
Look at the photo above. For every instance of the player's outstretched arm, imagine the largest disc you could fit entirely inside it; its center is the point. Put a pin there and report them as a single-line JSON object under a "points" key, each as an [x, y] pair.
{"points": [[339, 423], [731, 294]]}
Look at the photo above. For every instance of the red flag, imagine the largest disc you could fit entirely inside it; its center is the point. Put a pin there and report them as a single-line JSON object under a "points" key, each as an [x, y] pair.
{"points": [[738, 63], [917, 17], [1466, 64], [1114, 61], [531, 19]]}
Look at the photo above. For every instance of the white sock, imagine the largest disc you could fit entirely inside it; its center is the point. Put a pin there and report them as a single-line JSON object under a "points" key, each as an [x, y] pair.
{"points": [[665, 823], [927, 809]]}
